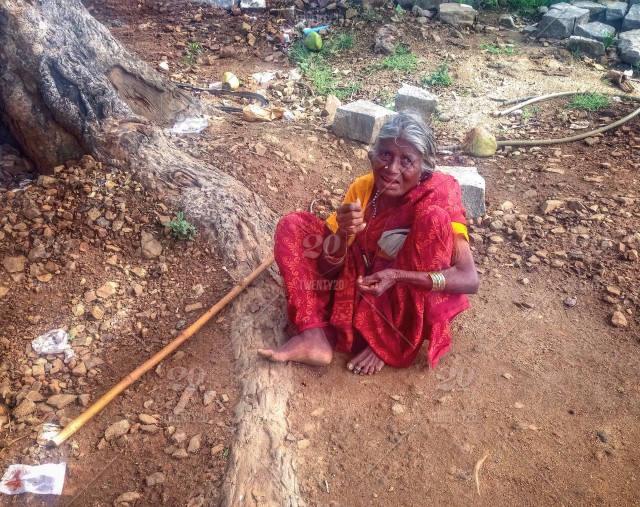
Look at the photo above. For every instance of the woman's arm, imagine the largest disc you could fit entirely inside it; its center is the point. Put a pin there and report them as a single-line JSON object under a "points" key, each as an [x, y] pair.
{"points": [[461, 277]]}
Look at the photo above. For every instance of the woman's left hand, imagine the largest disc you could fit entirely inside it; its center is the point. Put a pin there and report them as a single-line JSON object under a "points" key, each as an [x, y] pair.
{"points": [[377, 283]]}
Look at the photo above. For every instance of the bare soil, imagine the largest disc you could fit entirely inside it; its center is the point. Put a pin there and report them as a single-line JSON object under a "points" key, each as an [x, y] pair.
{"points": [[538, 402]]}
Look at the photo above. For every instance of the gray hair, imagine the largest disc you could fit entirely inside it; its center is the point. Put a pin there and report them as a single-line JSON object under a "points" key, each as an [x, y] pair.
{"points": [[409, 125]]}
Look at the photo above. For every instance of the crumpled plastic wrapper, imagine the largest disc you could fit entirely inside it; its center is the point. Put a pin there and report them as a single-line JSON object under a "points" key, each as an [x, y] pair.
{"points": [[40, 479], [54, 342]]}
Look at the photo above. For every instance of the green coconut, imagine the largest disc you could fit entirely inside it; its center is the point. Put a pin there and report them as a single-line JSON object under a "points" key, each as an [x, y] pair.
{"points": [[479, 142], [313, 42]]}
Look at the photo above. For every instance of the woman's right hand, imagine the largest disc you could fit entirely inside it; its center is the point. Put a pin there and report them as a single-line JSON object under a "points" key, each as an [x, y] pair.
{"points": [[350, 218]]}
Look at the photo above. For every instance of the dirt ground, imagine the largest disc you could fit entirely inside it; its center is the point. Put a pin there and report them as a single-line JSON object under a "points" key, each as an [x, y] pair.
{"points": [[536, 404]]}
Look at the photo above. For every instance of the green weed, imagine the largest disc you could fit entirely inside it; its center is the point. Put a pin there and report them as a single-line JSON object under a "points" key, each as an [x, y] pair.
{"points": [[386, 98], [340, 42], [528, 112], [608, 40], [402, 60], [494, 49], [193, 51], [181, 228], [589, 101], [527, 7], [439, 77], [400, 12], [370, 15]]}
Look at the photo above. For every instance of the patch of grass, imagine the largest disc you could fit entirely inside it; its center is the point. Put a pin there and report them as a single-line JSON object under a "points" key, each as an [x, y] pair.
{"points": [[589, 101], [400, 12], [193, 51], [439, 77], [608, 40], [315, 68], [576, 54], [402, 60], [340, 42], [494, 49], [527, 7], [386, 98], [370, 15], [528, 112], [181, 228]]}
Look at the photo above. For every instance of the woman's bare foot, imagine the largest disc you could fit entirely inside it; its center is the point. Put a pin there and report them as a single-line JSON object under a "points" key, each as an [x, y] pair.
{"points": [[309, 347], [368, 362]]}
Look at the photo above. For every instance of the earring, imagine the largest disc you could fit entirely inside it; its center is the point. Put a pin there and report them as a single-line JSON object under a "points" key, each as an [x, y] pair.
{"points": [[386, 167]]}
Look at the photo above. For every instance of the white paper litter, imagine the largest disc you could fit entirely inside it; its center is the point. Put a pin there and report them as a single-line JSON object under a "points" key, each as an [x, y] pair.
{"points": [[189, 126], [54, 342], [40, 479], [264, 77]]}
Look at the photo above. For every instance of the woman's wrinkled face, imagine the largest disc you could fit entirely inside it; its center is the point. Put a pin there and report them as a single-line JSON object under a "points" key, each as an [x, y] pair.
{"points": [[396, 167]]}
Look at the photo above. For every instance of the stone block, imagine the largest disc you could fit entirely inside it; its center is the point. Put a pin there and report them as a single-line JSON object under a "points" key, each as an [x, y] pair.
{"points": [[629, 46], [253, 5], [419, 99], [589, 47], [457, 14], [360, 120], [616, 11], [596, 31], [560, 21], [596, 10], [632, 19], [472, 186], [223, 4]]}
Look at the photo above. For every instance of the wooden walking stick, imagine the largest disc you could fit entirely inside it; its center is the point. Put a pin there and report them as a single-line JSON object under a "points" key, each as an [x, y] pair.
{"points": [[88, 414]]}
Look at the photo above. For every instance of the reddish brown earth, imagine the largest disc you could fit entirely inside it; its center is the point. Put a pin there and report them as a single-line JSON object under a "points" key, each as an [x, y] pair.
{"points": [[538, 380]]}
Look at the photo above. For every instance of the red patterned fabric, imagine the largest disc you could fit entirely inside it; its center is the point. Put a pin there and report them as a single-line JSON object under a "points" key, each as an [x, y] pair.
{"points": [[396, 323]]}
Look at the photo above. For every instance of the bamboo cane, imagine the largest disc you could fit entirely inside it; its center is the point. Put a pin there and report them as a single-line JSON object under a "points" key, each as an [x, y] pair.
{"points": [[88, 414]]}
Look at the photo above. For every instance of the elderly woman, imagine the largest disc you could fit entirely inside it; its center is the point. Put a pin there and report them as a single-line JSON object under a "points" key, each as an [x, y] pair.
{"points": [[388, 270]]}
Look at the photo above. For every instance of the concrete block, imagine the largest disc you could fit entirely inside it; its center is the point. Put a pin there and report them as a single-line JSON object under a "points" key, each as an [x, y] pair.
{"points": [[629, 46], [223, 4], [253, 5], [616, 11], [596, 10], [632, 19], [596, 31], [473, 187], [560, 21], [589, 47], [360, 120], [457, 14], [414, 97]]}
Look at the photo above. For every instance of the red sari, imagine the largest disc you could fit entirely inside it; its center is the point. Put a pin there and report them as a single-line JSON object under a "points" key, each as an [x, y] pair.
{"points": [[396, 323]]}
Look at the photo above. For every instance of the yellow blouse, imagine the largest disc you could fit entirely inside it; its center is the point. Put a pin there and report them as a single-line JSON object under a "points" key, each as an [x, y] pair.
{"points": [[362, 189]]}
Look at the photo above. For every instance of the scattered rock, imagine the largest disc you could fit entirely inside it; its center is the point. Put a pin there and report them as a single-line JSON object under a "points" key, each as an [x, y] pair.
{"points": [[457, 14], [304, 443], [147, 419], [180, 454], [151, 248], [397, 408], [61, 400], [154, 479], [14, 264], [195, 443], [125, 499], [560, 21], [117, 430], [25, 408], [618, 319]]}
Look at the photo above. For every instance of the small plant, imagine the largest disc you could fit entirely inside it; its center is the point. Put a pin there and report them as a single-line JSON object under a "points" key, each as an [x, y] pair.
{"points": [[576, 54], [494, 49], [386, 98], [439, 77], [370, 15], [400, 12], [402, 60], [341, 42], [181, 228], [529, 112], [589, 101], [607, 39], [193, 51]]}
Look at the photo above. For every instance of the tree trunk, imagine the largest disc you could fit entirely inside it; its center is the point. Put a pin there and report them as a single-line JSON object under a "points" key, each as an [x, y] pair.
{"points": [[68, 88]]}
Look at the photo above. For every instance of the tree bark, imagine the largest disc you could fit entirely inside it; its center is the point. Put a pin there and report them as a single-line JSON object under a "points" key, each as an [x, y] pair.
{"points": [[68, 88]]}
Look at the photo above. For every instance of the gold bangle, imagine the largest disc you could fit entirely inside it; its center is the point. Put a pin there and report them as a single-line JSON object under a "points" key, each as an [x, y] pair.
{"points": [[438, 281]]}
